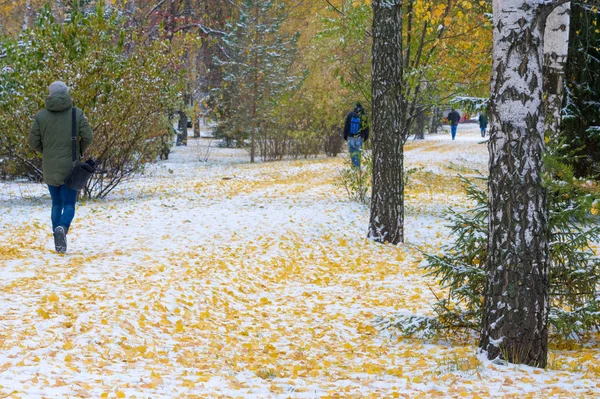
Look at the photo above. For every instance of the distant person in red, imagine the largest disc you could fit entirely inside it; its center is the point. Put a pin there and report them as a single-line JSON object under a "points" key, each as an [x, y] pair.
{"points": [[453, 118]]}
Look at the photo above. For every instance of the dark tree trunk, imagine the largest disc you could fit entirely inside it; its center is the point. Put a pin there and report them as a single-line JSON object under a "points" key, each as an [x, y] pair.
{"points": [[387, 200], [253, 114], [583, 80], [435, 120], [516, 306], [255, 93], [420, 125], [182, 129], [196, 123]]}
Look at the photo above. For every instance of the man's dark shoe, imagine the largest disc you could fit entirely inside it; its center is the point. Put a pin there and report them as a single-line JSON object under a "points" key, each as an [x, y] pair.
{"points": [[60, 240]]}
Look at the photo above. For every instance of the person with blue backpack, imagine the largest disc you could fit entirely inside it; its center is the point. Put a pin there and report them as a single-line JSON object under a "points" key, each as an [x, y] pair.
{"points": [[356, 132]]}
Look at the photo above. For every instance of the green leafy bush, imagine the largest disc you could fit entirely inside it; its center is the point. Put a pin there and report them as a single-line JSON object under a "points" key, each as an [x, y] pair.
{"points": [[126, 94], [357, 182]]}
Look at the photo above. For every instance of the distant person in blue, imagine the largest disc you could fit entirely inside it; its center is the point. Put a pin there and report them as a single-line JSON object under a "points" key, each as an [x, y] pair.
{"points": [[356, 132], [483, 122], [453, 118]]}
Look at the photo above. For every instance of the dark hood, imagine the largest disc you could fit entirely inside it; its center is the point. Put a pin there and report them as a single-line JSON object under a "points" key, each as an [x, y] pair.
{"points": [[59, 102], [359, 110]]}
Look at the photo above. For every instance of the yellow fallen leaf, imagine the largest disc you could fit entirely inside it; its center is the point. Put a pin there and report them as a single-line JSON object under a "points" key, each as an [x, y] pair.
{"points": [[43, 313], [264, 301], [188, 384]]}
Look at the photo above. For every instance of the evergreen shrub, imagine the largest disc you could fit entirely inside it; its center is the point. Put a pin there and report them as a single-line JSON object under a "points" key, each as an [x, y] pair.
{"points": [[574, 271]]}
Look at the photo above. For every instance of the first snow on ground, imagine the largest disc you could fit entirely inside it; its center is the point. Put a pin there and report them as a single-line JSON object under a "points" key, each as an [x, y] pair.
{"points": [[229, 279]]}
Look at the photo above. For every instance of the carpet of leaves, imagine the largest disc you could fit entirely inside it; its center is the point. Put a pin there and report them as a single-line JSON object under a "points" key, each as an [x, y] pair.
{"points": [[236, 280]]}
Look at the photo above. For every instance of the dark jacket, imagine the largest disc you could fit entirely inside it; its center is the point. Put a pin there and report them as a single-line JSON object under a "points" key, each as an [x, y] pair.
{"points": [[483, 121], [364, 129], [454, 117], [50, 134]]}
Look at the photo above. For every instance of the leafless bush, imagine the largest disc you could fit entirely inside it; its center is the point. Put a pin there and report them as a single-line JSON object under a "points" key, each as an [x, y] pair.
{"points": [[334, 142]]}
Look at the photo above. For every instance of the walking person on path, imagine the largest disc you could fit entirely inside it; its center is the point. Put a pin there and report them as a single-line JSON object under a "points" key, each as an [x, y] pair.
{"points": [[483, 121], [356, 132], [454, 118], [50, 135]]}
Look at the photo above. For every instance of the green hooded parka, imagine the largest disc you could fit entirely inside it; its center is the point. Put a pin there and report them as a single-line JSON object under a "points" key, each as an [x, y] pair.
{"points": [[50, 134]]}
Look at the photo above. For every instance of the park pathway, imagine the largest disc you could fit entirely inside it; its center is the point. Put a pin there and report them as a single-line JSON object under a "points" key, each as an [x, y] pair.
{"points": [[226, 279]]}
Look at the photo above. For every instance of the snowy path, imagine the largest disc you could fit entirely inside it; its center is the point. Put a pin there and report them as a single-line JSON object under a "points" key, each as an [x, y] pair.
{"points": [[225, 279]]}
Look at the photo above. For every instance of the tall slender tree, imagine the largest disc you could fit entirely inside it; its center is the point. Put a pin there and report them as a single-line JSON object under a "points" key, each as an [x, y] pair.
{"points": [[408, 40], [556, 49], [257, 70], [387, 201], [516, 304]]}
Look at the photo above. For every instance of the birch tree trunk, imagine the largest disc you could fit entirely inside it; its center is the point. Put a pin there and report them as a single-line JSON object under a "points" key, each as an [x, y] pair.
{"points": [[59, 10], [130, 7], [556, 50], [26, 15], [255, 71], [514, 325], [387, 200]]}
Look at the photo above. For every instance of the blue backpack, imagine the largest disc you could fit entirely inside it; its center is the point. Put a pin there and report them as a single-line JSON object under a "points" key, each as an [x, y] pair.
{"points": [[355, 126]]}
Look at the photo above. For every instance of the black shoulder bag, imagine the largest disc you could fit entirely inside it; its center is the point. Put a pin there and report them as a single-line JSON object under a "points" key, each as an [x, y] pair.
{"points": [[81, 172]]}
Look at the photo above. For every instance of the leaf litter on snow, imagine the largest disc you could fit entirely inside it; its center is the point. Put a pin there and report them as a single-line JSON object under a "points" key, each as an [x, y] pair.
{"points": [[224, 278]]}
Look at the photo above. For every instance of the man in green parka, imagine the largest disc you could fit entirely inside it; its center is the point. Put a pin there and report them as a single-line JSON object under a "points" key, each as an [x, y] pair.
{"points": [[50, 134]]}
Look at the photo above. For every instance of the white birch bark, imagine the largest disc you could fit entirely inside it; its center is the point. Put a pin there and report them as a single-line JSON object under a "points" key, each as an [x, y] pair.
{"points": [[58, 10], [516, 305], [130, 6], [26, 15], [556, 49]]}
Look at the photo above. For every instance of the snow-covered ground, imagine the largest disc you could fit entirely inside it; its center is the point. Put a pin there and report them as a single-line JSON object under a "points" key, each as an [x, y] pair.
{"points": [[229, 279]]}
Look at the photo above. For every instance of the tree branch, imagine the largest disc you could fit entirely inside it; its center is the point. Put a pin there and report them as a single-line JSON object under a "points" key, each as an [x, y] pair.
{"points": [[336, 9], [156, 7]]}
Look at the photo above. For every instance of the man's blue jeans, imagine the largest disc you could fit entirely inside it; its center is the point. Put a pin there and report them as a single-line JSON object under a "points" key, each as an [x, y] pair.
{"points": [[453, 129], [63, 206], [355, 147]]}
